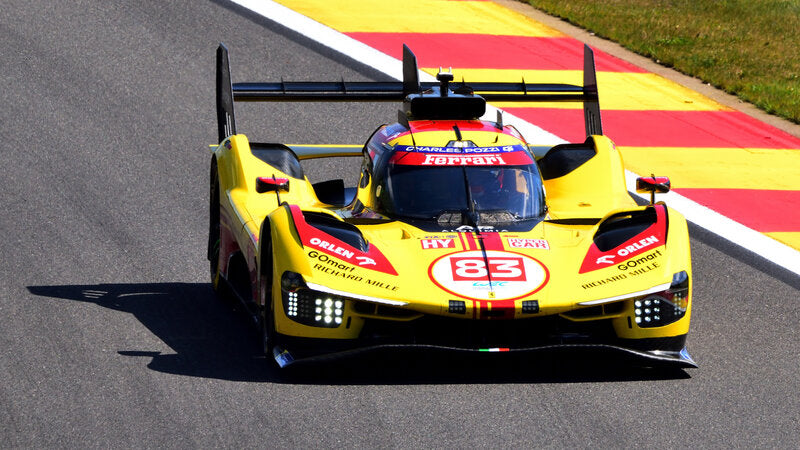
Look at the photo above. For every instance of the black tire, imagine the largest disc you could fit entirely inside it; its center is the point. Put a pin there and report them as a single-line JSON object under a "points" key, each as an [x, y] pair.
{"points": [[268, 333], [214, 228]]}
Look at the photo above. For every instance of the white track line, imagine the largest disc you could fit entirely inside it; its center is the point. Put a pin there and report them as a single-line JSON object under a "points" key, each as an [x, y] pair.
{"points": [[735, 232]]}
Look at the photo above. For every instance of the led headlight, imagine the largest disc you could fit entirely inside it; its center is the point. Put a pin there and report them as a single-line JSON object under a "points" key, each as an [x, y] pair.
{"points": [[663, 308], [308, 306]]}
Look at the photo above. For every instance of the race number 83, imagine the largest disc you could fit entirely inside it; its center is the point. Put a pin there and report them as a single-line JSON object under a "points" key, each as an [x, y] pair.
{"points": [[477, 269]]}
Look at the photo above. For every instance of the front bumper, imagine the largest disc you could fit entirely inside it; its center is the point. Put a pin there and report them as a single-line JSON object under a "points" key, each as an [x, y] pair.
{"points": [[679, 359], [545, 334]]}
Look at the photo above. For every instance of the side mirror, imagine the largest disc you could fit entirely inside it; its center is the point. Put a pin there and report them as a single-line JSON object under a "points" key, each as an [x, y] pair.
{"points": [[265, 184], [654, 185]]}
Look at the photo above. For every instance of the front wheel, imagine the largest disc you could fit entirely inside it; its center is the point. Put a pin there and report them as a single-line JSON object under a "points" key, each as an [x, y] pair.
{"points": [[267, 322], [265, 286], [214, 228]]}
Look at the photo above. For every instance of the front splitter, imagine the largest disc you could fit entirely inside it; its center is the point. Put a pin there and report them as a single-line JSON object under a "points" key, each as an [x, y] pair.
{"points": [[680, 359]]}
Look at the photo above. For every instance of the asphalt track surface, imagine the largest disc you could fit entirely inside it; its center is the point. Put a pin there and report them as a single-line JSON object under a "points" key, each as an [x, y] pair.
{"points": [[110, 335]]}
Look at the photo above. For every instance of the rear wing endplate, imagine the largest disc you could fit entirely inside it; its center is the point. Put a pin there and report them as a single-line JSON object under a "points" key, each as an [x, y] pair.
{"points": [[399, 91]]}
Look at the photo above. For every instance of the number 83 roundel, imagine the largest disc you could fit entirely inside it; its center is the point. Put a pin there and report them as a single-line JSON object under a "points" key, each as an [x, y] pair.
{"points": [[498, 276]]}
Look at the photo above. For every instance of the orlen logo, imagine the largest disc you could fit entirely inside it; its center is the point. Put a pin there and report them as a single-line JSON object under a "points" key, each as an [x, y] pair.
{"points": [[633, 248], [341, 251], [497, 276], [596, 259], [636, 246], [319, 243]]}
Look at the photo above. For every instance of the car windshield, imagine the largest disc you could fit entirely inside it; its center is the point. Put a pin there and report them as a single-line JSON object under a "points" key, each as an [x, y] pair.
{"points": [[490, 194]]}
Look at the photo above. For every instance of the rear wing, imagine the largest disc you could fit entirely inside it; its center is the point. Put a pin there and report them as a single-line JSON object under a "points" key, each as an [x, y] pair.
{"points": [[442, 99]]}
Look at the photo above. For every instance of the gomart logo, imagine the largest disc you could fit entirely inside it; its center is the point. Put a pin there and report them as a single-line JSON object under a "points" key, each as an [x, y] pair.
{"points": [[497, 276]]}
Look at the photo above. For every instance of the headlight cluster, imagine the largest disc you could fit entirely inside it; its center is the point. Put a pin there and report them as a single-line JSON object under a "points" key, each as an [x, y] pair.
{"points": [[663, 308], [308, 306]]}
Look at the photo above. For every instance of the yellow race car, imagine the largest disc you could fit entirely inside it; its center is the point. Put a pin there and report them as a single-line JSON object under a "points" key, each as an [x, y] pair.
{"points": [[460, 234]]}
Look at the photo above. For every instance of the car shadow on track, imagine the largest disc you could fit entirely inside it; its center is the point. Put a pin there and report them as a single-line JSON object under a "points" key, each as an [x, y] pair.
{"points": [[211, 339]]}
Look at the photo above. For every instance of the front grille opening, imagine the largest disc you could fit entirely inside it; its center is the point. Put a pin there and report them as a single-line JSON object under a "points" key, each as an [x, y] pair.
{"points": [[378, 310], [592, 311], [596, 312]]}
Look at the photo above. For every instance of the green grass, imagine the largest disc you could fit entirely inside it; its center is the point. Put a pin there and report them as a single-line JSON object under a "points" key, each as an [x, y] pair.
{"points": [[748, 48]]}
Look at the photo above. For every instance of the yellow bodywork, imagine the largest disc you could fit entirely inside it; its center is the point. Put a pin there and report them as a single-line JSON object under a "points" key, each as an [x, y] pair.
{"points": [[550, 255]]}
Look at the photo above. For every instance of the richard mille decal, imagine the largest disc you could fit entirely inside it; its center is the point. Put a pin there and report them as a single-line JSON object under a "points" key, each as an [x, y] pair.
{"points": [[495, 275], [632, 268], [604, 281]]}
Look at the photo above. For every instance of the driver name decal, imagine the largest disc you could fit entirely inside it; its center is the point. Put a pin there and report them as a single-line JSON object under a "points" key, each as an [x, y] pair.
{"points": [[494, 276], [468, 160]]}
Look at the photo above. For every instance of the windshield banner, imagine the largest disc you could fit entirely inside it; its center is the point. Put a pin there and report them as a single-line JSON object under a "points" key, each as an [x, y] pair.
{"points": [[514, 158], [460, 150]]}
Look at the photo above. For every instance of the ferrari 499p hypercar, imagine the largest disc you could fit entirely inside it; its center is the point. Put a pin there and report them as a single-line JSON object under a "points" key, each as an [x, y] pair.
{"points": [[460, 234]]}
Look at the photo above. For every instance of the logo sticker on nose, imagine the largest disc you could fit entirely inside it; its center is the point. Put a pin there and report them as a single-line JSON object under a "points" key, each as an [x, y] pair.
{"points": [[497, 276]]}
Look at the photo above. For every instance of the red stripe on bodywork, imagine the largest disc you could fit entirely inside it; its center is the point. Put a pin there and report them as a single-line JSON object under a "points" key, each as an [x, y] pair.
{"points": [[492, 241], [717, 129], [464, 243], [372, 259], [463, 125], [507, 308], [766, 211], [652, 237], [476, 51], [470, 239]]}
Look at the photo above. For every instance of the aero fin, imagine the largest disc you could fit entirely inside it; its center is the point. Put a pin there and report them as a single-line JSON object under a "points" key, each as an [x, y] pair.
{"points": [[226, 122], [410, 72], [591, 104], [282, 357]]}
